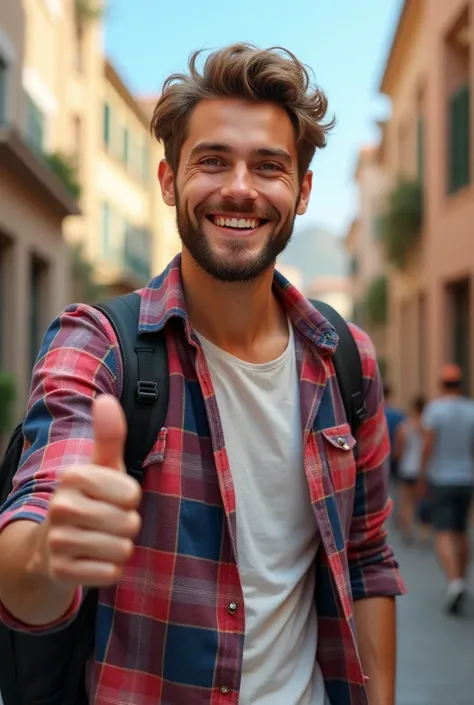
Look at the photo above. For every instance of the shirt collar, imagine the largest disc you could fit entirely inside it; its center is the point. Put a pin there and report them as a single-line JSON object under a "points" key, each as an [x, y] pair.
{"points": [[163, 299]]}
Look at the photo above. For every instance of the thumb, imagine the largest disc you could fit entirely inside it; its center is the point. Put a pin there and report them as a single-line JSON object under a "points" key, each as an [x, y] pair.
{"points": [[110, 432]]}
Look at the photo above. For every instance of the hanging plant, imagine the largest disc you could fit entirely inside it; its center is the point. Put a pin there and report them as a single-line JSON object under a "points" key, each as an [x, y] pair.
{"points": [[376, 301], [400, 225], [88, 10], [65, 170], [7, 399]]}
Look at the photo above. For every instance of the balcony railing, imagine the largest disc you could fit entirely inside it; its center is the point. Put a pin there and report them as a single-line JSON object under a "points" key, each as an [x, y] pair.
{"points": [[128, 262]]}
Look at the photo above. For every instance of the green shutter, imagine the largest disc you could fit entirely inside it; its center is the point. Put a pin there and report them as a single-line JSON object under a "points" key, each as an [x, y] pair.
{"points": [[126, 146], [106, 125], [35, 125], [420, 145], [459, 142], [3, 89]]}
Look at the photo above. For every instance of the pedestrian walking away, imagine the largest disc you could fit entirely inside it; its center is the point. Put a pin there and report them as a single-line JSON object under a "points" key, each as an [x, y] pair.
{"points": [[201, 490], [448, 465], [408, 451]]}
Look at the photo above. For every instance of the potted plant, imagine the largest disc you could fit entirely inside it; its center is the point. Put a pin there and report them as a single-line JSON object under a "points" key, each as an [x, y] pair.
{"points": [[7, 400]]}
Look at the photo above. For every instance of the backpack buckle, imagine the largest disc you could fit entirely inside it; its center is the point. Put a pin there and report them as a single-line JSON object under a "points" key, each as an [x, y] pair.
{"points": [[147, 391]]}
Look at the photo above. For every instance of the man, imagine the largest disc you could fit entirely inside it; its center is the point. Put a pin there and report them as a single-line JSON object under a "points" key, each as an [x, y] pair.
{"points": [[260, 573], [448, 461], [394, 418]]}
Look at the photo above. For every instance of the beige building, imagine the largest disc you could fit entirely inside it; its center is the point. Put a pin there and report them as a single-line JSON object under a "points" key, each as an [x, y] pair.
{"points": [[131, 234], [428, 77], [363, 241], [85, 114], [34, 280], [65, 112], [333, 290]]}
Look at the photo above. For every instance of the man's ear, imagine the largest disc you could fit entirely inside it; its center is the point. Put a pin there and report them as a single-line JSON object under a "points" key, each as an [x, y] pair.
{"points": [[166, 179], [305, 193]]}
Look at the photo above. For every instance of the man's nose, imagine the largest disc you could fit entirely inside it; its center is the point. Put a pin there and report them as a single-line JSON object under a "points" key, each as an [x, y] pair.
{"points": [[239, 184]]}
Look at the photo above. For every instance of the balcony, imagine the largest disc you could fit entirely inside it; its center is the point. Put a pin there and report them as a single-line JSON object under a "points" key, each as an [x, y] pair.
{"points": [[128, 266]]}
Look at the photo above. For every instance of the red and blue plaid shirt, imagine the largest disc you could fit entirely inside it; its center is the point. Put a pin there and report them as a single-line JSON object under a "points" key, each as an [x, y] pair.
{"points": [[168, 633]]}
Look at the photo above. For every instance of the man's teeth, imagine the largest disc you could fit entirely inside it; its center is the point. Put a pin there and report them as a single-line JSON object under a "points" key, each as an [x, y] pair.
{"points": [[244, 223]]}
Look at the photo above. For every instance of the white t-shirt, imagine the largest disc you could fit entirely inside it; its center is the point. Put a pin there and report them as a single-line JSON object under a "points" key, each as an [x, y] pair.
{"points": [[277, 536]]}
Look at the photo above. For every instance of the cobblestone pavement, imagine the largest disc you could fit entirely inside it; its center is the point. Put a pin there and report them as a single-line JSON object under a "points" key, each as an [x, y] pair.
{"points": [[435, 651]]}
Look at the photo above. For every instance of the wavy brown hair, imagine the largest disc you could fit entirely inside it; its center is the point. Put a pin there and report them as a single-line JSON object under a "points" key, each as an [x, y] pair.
{"points": [[243, 71]]}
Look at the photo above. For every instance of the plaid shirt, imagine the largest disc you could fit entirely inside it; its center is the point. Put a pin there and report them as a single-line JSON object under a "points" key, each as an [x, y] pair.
{"points": [[168, 633]]}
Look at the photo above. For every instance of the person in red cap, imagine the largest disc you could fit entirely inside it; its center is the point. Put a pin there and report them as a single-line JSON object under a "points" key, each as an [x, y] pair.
{"points": [[448, 462]]}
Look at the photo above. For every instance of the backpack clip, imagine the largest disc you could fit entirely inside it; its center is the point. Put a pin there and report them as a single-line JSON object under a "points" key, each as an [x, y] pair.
{"points": [[147, 391]]}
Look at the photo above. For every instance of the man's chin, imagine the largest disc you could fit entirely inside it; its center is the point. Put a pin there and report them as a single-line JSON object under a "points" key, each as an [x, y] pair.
{"points": [[231, 267]]}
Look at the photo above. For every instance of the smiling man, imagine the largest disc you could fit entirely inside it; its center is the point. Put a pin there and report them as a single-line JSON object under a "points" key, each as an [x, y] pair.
{"points": [[252, 566]]}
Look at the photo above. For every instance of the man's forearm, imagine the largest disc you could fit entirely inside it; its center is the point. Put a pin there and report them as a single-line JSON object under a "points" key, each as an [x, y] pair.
{"points": [[375, 625], [27, 594]]}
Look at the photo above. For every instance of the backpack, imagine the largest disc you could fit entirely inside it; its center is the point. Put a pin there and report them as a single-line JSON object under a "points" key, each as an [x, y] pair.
{"points": [[49, 669]]}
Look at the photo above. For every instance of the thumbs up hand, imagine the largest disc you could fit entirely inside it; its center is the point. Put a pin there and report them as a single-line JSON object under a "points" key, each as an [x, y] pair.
{"points": [[93, 517]]}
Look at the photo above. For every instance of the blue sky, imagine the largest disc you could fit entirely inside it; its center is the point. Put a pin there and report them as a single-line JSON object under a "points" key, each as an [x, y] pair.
{"points": [[345, 42]]}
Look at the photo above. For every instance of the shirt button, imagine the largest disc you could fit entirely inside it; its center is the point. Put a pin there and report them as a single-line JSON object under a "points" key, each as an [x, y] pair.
{"points": [[232, 607], [342, 443], [224, 690]]}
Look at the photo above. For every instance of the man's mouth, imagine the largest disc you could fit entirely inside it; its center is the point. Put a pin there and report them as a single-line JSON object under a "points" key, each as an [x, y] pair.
{"points": [[236, 223]]}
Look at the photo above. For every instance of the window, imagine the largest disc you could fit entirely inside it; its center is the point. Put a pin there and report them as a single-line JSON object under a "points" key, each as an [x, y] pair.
{"points": [[354, 265], [3, 89], [35, 124], [145, 164], [420, 157], [105, 230], [107, 124], [460, 333], [459, 141], [78, 45], [38, 282], [76, 126]]}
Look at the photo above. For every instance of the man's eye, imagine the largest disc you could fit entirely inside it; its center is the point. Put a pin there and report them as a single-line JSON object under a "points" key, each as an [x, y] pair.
{"points": [[211, 161], [269, 166]]}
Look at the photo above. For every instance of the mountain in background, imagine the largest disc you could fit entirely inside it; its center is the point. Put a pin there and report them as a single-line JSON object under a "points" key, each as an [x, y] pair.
{"points": [[315, 252]]}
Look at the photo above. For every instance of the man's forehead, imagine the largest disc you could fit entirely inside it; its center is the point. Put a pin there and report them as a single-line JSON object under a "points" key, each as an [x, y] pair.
{"points": [[240, 123]]}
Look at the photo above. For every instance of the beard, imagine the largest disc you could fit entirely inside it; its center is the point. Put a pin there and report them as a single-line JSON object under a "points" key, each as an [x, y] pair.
{"points": [[235, 265]]}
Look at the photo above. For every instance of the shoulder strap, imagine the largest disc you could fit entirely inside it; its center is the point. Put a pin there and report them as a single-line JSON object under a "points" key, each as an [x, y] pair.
{"points": [[145, 384], [348, 367]]}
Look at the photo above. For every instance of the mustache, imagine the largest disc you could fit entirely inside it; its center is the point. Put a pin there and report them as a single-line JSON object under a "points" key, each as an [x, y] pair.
{"points": [[250, 209]]}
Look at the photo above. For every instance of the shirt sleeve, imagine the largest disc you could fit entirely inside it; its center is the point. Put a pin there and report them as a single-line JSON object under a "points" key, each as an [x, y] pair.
{"points": [[78, 360], [428, 419], [372, 565]]}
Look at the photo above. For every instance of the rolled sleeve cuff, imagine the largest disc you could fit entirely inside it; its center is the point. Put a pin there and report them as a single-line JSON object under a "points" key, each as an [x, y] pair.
{"points": [[63, 621], [23, 512], [379, 578]]}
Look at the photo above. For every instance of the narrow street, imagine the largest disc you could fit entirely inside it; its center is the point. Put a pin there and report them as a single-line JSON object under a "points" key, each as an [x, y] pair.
{"points": [[435, 651]]}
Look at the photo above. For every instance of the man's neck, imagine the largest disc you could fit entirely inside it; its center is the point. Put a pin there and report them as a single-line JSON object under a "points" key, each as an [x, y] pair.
{"points": [[245, 319]]}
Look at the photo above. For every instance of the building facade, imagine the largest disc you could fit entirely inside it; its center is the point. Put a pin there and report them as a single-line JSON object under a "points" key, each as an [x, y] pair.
{"points": [[429, 77], [77, 168], [362, 241], [34, 280]]}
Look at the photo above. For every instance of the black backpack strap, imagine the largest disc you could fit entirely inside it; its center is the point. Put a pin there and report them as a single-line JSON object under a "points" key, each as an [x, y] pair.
{"points": [[348, 367], [145, 384]]}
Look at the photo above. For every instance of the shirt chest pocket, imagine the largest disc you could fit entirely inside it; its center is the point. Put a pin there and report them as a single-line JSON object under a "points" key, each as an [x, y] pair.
{"points": [[337, 447]]}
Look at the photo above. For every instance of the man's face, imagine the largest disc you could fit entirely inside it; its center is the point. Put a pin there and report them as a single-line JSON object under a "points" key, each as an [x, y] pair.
{"points": [[236, 190]]}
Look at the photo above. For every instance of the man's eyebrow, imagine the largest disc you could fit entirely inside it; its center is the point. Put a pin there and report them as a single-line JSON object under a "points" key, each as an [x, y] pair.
{"points": [[272, 152]]}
